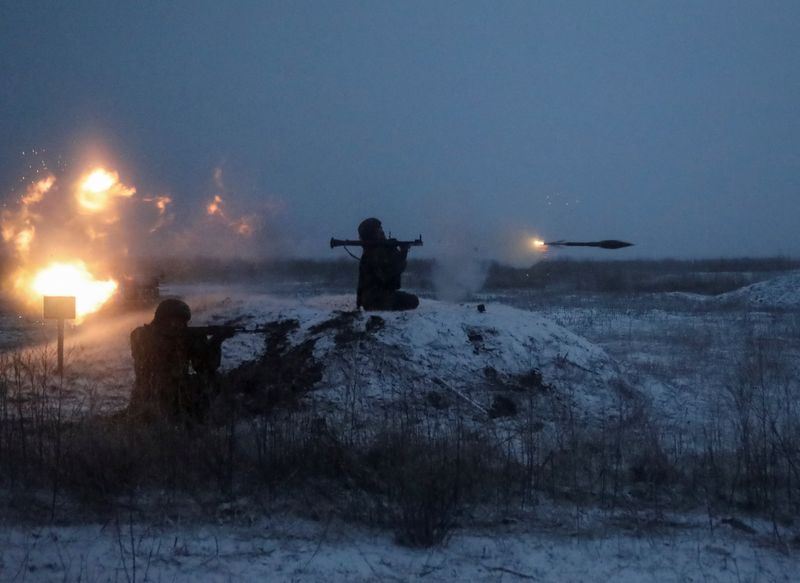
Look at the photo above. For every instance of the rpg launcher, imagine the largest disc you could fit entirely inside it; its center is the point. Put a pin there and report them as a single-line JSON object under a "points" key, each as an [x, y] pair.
{"points": [[381, 243], [606, 244]]}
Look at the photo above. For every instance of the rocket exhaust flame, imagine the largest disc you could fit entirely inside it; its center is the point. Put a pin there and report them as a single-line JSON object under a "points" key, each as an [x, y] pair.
{"points": [[537, 244]]}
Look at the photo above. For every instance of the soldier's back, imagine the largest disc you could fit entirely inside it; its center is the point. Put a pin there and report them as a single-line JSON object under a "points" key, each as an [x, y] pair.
{"points": [[161, 366]]}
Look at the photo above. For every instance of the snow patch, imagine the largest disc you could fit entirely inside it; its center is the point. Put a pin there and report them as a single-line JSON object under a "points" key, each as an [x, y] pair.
{"points": [[779, 292]]}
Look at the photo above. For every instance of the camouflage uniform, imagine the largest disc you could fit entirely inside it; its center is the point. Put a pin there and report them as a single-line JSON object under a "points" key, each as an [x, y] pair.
{"points": [[379, 274], [175, 371]]}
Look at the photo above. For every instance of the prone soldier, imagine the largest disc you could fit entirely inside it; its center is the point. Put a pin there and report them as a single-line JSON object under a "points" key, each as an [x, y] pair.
{"points": [[175, 365]]}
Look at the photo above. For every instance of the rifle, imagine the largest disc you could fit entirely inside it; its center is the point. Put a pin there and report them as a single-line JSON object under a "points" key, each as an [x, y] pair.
{"points": [[222, 331], [382, 243]]}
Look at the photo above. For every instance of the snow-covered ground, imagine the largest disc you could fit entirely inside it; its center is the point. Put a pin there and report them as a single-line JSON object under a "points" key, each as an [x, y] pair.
{"points": [[283, 548], [676, 355], [682, 351], [779, 292]]}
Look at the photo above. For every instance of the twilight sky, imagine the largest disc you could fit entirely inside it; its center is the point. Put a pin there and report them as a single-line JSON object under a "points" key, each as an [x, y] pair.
{"points": [[675, 125]]}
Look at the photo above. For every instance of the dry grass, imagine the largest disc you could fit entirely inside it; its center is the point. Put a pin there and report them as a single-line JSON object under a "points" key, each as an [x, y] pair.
{"points": [[420, 477]]}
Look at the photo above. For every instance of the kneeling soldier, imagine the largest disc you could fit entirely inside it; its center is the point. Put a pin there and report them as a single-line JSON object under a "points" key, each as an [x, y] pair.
{"points": [[380, 271]]}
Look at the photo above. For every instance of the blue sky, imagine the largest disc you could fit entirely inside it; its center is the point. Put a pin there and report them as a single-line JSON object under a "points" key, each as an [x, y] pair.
{"points": [[675, 125]]}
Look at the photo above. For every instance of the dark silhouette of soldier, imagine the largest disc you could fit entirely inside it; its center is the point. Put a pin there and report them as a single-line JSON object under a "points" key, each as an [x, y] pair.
{"points": [[380, 271], [175, 365]]}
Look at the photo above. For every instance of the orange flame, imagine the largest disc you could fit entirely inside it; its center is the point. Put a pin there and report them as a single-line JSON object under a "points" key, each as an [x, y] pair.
{"points": [[94, 194], [215, 207], [97, 190], [37, 190], [161, 202], [17, 228], [71, 279], [244, 226]]}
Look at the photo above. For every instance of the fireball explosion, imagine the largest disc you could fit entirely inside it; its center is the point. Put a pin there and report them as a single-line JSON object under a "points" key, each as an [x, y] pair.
{"points": [[64, 240]]}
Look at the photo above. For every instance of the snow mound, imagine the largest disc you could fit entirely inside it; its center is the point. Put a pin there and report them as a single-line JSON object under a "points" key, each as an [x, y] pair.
{"points": [[441, 356], [779, 292], [442, 359]]}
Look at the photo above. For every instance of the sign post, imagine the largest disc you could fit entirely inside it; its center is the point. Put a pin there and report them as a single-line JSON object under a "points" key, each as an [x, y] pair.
{"points": [[59, 308]]}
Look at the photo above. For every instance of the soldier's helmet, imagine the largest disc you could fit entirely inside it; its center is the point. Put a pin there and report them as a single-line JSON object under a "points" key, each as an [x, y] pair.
{"points": [[368, 229], [172, 309]]}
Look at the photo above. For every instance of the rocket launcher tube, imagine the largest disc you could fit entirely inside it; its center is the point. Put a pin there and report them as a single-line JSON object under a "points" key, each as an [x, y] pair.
{"points": [[383, 243]]}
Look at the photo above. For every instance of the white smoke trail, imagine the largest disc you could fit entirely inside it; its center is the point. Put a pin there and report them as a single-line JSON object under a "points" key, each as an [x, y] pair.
{"points": [[460, 269]]}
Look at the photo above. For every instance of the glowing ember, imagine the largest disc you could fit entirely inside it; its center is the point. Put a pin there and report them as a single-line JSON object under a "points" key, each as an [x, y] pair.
{"points": [[161, 202], [96, 191], [245, 226], [215, 208], [74, 279]]}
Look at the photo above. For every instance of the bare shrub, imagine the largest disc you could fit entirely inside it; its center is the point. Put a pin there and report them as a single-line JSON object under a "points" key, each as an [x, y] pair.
{"points": [[763, 397], [102, 463], [427, 476], [32, 425], [418, 473]]}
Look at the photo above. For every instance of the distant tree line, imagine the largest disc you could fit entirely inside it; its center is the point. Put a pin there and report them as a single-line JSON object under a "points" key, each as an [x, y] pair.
{"points": [[704, 276]]}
